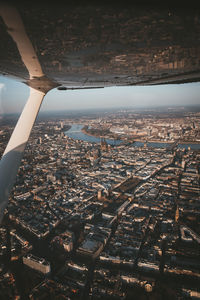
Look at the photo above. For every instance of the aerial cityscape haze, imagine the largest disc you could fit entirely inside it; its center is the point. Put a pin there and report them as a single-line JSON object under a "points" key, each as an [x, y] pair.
{"points": [[105, 205], [100, 150]]}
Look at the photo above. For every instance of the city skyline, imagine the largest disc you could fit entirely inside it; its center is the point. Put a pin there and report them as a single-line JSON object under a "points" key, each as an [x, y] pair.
{"points": [[105, 218]]}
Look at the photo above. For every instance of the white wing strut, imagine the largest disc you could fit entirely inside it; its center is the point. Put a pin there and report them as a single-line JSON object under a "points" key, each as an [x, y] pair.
{"points": [[12, 156]]}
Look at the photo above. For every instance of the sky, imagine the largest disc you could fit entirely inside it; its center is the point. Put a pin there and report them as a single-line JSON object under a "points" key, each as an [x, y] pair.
{"points": [[14, 94]]}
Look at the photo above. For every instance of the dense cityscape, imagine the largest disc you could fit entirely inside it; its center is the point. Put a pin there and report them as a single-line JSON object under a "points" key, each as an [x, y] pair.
{"points": [[105, 205]]}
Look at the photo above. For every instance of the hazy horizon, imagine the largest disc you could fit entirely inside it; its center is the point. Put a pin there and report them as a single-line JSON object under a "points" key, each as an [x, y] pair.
{"points": [[14, 94]]}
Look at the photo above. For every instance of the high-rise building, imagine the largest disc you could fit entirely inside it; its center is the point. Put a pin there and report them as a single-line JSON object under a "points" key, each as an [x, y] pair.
{"points": [[36, 263]]}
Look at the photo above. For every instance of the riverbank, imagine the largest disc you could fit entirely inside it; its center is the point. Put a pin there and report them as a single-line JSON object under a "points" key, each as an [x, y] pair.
{"points": [[66, 127], [85, 131], [169, 143], [78, 132]]}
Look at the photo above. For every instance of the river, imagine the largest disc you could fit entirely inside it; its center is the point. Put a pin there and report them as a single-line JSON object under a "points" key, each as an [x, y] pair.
{"points": [[75, 133]]}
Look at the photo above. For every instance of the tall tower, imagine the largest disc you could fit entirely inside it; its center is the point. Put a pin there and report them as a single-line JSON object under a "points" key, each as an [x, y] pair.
{"points": [[99, 194], [177, 214], [104, 145]]}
